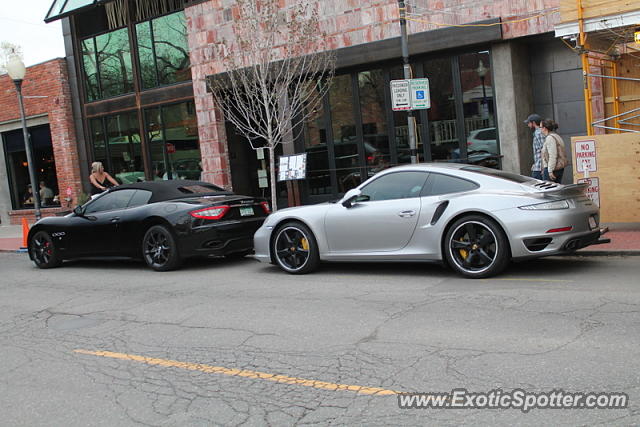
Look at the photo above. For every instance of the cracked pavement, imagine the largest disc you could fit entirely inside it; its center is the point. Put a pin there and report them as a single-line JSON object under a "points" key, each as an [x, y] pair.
{"points": [[570, 323]]}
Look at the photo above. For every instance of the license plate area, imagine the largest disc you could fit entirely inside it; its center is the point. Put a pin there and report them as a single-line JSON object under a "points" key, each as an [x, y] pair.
{"points": [[246, 211], [593, 224]]}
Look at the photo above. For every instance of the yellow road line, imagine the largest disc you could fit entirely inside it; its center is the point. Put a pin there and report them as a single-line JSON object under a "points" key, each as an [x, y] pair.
{"points": [[241, 373]]}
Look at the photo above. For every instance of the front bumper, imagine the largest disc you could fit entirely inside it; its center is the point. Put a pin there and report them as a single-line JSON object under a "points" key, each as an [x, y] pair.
{"points": [[261, 240]]}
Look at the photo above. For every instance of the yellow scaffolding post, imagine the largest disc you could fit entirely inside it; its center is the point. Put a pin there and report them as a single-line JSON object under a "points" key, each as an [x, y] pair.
{"points": [[616, 97], [585, 69]]}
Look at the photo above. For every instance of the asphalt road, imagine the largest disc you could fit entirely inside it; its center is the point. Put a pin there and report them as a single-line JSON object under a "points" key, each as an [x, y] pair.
{"points": [[112, 343]]}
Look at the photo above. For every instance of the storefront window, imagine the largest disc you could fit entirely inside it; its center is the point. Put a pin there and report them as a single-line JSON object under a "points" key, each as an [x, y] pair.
{"points": [[401, 131], [442, 114], [99, 142], [107, 65], [163, 50], [374, 120], [479, 120], [18, 170], [123, 138], [173, 138], [343, 124], [315, 145]]}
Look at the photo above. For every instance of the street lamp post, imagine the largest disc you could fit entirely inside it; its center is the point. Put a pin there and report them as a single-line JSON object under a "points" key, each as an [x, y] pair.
{"points": [[17, 70], [482, 72]]}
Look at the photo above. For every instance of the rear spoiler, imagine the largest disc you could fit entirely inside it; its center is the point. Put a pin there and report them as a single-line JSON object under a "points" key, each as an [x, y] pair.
{"points": [[566, 190]]}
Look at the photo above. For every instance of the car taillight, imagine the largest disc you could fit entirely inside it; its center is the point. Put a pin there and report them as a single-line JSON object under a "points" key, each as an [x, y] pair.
{"points": [[265, 207], [215, 212], [369, 159], [469, 143]]}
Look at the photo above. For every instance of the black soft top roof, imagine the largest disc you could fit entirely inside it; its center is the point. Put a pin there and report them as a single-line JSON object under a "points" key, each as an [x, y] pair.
{"points": [[174, 189]]}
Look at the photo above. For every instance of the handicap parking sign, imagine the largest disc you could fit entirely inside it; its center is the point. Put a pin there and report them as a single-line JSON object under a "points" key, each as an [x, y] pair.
{"points": [[419, 94]]}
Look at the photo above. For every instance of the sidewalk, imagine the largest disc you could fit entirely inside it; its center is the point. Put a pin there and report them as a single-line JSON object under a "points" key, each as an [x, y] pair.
{"points": [[624, 241]]}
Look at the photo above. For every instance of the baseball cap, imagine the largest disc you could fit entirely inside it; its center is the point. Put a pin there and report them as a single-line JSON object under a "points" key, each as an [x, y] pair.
{"points": [[533, 118]]}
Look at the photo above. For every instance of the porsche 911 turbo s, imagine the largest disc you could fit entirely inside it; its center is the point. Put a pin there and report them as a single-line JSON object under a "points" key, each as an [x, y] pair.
{"points": [[474, 219], [162, 222]]}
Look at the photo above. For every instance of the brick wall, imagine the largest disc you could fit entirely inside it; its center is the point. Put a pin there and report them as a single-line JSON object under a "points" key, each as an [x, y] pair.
{"points": [[50, 81], [346, 23]]}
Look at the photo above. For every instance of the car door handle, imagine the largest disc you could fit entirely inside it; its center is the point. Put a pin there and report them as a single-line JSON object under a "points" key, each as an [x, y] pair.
{"points": [[406, 214], [115, 219]]}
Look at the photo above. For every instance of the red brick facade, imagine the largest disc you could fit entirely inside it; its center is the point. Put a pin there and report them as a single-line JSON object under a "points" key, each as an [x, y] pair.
{"points": [[50, 81]]}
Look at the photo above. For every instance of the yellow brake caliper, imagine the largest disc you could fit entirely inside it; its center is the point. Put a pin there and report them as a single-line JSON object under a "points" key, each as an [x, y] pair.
{"points": [[463, 252], [305, 244]]}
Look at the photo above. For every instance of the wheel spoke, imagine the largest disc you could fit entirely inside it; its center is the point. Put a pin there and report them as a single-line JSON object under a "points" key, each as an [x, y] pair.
{"points": [[486, 239], [471, 230], [468, 261], [456, 244], [485, 257]]}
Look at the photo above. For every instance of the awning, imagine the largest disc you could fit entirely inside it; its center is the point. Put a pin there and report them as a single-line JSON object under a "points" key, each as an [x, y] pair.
{"points": [[63, 8]]}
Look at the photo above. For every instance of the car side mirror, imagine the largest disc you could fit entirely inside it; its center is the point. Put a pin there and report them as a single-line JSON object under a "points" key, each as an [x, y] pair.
{"points": [[78, 210], [350, 197]]}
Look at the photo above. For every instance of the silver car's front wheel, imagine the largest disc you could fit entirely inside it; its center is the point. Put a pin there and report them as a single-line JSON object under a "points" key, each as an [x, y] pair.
{"points": [[295, 248], [476, 247]]}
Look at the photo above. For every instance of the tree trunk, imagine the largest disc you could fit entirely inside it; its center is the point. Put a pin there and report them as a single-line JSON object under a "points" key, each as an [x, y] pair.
{"points": [[272, 175]]}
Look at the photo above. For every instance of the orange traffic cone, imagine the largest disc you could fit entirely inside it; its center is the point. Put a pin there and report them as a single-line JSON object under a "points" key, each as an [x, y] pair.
{"points": [[25, 233]]}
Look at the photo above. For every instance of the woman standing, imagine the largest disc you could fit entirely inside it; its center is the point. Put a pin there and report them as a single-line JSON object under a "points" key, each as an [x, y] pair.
{"points": [[554, 156], [100, 180]]}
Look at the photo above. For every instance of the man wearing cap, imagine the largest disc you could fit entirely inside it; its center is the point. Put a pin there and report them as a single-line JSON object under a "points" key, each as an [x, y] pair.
{"points": [[533, 121]]}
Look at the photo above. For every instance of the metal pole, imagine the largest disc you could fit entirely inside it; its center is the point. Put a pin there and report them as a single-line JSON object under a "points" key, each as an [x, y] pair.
{"points": [[35, 188], [407, 75]]}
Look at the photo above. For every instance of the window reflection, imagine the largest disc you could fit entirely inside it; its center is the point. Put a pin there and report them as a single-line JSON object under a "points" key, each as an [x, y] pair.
{"points": [[401, 131], [442, 114], [163, 50], [479, 119], [107, 65], [173, 138], [99, 142], [374, 121], [315, 145], [344, 133], [123, 136]]}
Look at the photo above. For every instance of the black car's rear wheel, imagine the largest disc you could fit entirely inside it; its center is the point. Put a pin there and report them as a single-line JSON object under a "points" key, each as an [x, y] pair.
{"points": [[476, 247], [295, 248], [159, 249], [43, 251]]}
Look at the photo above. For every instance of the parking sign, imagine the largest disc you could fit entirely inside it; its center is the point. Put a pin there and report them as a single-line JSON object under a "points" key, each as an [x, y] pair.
{"points": [[400, 99], [420, 99]]}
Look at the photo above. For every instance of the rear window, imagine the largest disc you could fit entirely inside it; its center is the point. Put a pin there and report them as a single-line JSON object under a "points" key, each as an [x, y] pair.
{"points": [[514, 177], [201, 189], [487, 134]]}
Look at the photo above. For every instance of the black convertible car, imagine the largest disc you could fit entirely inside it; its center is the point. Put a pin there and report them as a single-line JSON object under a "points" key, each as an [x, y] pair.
{"points": [[162, 222]]}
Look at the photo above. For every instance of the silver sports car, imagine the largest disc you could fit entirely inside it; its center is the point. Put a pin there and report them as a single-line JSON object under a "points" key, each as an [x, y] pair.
{"points": [[472, 218]]}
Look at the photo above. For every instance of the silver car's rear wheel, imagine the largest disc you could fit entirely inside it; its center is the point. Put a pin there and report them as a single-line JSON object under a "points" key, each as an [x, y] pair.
{"points": [[476, 247], [295, 248]]}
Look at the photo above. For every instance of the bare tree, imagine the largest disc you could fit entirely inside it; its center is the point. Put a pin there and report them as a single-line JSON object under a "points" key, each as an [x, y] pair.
{"points": [[275, 70], [8, 49]]}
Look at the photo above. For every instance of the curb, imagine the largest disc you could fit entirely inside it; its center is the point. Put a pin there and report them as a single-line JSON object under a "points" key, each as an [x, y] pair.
{"points": [[13, 251]]}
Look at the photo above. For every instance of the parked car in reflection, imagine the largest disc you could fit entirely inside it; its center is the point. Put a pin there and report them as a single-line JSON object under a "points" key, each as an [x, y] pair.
{"points": [[162, 222], [474, 219], [483, 140]]}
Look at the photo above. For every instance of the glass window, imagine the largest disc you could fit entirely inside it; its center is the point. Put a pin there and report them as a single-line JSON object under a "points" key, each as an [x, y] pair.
{"points": [[401, 131], [110, 201], [140, 197], [374, 120], [442, 114], [446, 184], [498, 174], [99, 142], [399, 185], [479, 117], [163, 50], [18, 170], [123, 137], [343, 125], [107, 65], [315, 145], [173, 139]]}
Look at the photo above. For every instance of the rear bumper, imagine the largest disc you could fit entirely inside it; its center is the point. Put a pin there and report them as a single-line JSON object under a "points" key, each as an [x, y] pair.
{"points": [[220, 239], [261, 240]]}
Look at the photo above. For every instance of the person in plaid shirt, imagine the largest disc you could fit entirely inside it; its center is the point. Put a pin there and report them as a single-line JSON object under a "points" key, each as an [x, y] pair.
{"points": [[533, 121]]}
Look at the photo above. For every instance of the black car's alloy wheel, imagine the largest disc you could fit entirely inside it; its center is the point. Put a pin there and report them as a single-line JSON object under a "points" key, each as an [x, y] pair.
{"points": [[476, 247], [159, 249], [43, 251], [295, 248]]}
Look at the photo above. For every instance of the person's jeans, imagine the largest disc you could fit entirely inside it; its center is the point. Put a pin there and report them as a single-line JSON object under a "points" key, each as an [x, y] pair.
{"points": [[536, 174], [558, 174]]}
